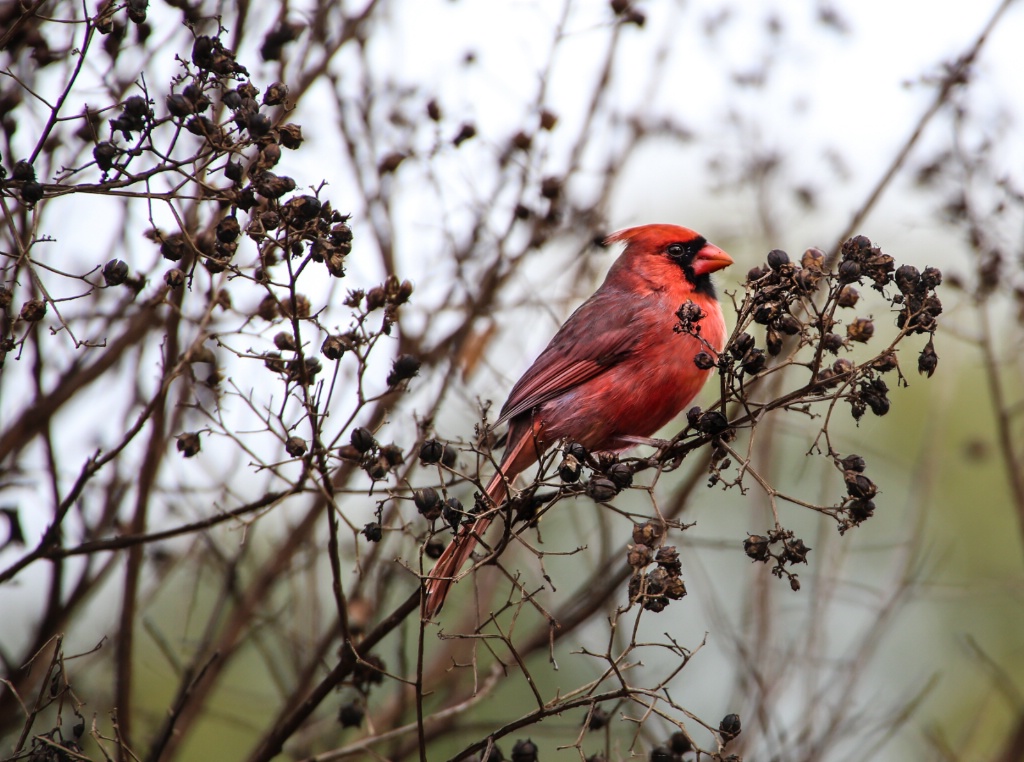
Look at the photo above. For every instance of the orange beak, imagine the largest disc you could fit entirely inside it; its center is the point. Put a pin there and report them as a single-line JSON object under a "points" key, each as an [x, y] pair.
{"points": [[709, 259]]}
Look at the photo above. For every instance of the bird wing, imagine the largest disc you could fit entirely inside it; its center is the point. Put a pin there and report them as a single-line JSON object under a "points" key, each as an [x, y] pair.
{"points": [[596, 337]]}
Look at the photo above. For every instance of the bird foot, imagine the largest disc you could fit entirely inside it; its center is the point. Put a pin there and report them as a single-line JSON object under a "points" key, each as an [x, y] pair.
{"points": [[651, 441]]}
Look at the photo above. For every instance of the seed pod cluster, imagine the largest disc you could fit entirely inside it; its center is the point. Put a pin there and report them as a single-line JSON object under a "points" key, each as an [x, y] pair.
{"points": [[375, 459], [654, 588], [799, 306], [780, 545]]}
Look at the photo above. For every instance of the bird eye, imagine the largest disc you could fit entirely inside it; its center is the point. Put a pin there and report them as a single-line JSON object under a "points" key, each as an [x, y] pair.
{"points": [[683, 250]]}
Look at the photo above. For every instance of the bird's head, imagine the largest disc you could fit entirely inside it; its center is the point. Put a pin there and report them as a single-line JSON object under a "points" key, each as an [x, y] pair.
{"points": [[662, 252]]}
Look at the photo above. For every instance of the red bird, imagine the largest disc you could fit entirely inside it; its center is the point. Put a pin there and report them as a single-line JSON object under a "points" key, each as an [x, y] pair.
{"points": [[614, 373]]}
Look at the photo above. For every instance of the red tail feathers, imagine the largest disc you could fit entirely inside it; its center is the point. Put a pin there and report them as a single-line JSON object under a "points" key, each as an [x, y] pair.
{"points": [[520, 451], [459, 550]]}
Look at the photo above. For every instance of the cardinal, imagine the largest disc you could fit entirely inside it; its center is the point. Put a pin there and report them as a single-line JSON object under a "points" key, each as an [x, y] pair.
{"points": [[614, 373]]}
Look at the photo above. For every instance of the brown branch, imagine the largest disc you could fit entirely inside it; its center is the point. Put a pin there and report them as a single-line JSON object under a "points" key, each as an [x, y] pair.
{"points": [[957, 75]]}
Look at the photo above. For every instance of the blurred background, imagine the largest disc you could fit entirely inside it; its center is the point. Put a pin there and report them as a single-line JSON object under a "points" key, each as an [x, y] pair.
{"points": [[477, 151]]}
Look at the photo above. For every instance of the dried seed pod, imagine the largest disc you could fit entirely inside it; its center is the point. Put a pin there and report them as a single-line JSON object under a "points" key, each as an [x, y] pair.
{"points": [[373, 532], [578, 451], [299, 210], [712, 422], [740, 345], [638, 556], [795, 551], [656, 580], [268, 308], [393, 454], [297, 306], [466, 132], [33, 310], [431, 504], [570, 469], [362, 439], [31, 192], [334, 346], [375, 298], [777, 259], [348, 452], [450, 457], [404, 368], [174, 278], [859, 486], [765, 313], [23, 171], [551, 187], [234, 171], [284, 341], [754, 362], [908, 278], [522, 141], [391, 162], [848, 297], [928, 360], [271, 220], [874, 394], [813, 259], [832, 342], [351, 715], [788, 324], [173, 247], [269, 185], [679, 743], [667, 558], [304, 372], [853, 463], [275, 94], [807, 280], [377, 469], [431, 451], [524, 750], [861, 329], [849, 272], [290, 136], [931, 277], [115, 272], [621, 475], [601, 490], [704, 361], [453, 512], [596, 718], [189, 444], [295, 446], [756, 547], [427, 502], [228, 229], [861, 510], [675, 588], [179, 106], [649, 533], [730, 727], [104, 153], [405, 289], [273, 362]]}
